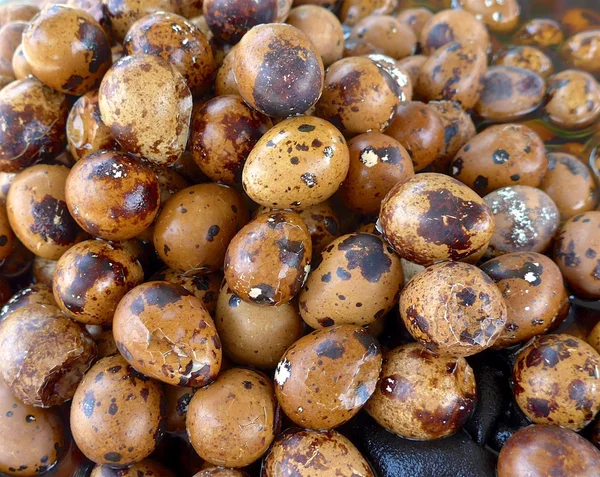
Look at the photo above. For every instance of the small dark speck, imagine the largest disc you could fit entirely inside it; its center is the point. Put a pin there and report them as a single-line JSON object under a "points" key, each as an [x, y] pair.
{"points": [[306, 128], [30, 418], [515, 177]]}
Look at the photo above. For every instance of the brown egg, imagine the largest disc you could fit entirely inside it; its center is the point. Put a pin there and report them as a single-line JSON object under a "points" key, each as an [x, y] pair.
{"points": [[178, 41], [534, 293], [412, 65], [573, 99], [500, 156], [204, 287], [500, 16], [196, 225], [357, 280], [576, 20], [357, 47], [394, 38], [18, 263], [415, 18], [85, 130], [186, 167], [34, 439], [225, 82], [527, 57], [325, 378], [296, 164], [233, 421], [32, 295], [5, 81], [278, 70], [398, 73], [526, 220], [556, 381], [145, 468], [359, 96], [92, 277], [422, 396], [178, 399], [283, 10], [224, 131], [44, 355], [582, 51], [594, 338], [291, 453], [117, 415], [432, 217], [10, 39], [221, 472], [97, 10], [542, 32], [11, 12], [164, 332], [230, 21], [103, 337], [112, 195], [124, 13], [539, 451], [447, 26], [455, 72], [32, 121]]}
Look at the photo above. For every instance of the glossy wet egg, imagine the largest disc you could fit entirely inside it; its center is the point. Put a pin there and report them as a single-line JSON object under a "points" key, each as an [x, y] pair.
{"points": [[229, 21], [450, 25]]}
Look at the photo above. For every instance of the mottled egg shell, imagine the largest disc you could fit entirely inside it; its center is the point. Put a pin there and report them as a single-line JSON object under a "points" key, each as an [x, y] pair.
{"points": [[156, 130], [124, 13], [528, 57], [221, 472], [576, 20], [582, 51], [415, 18], [163, 331], [432, 217], [117, 415], [278, 70], [205, 287], [10, 39], [454, 309], [38, 212], [412, 65], [67, 49], [35, 294], [233, 421], [32, 122], [357, 280], [92, 277], [394, 38], [112, 195], [291, 453], [447, 26], [526, 220], [556, 381], [145, 468], [195, 226], [325, 378], [298, 163], [500, 16], [34, 438], [423, 396], [534, 293], [500, 156], [44, 355], [230, 21], [225, 82], [542, 32]]}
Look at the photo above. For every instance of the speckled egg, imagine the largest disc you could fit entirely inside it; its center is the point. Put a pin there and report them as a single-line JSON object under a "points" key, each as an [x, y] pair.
{"points": [[576, 20], [526, 220], [432, 217], [582, 51], [542, 32], [225, 82], [394, 38], [233, 421], [415, 18], [454, 309], [112, 195], [32, 295], [178, 400], [32, 122], [398, 73], [124, 13], [447, 26], [155, 130], [422, 396], [501, 156], [165, 332], [500, 16], [527, 57], [534, 293], [117, 415], [556, 381], [325, 378], [10, 39], [229, 21], [145, 468], [412, 65], [205, 287], [296, 164]]}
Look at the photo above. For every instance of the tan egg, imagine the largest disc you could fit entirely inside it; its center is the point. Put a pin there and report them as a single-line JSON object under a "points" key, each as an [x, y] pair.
{"points": [[412, 65], [325, 378], [278, 70], [415, 18], [323, 28], [351, 11], [230, 21], [526, 220], [112, 195], [357, 47], [221, 472], [178, 399], [32, 121], [196, 225], [7, 236], [124, 13], [164, 332], [398, 73], [394, 38], [298, 163], [38, 212], [204, 287], [501, 16], [582, 51], [422, 396], [85, 130], [225, 82], [224, 131], [538, 451], [292, 450], [556, 381], [20, 66], [432, 217], [454, 72], [447, 26], [10, 39], [454, 309], [11, 12], [528, 57], [377, 163], [233, 421], [34, 438], [542, 32], [357, 280], [97, 10], [32, 295], [501, 156], [92, 277], [178, 41], [359, 96], [534, 293], [44, 355], [156, 130], [118, 414], [577, 20], [145, 468]]}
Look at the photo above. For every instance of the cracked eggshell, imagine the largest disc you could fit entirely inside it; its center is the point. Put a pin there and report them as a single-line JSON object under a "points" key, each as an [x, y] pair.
{"points": [[37, 294], [164, 332]]}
